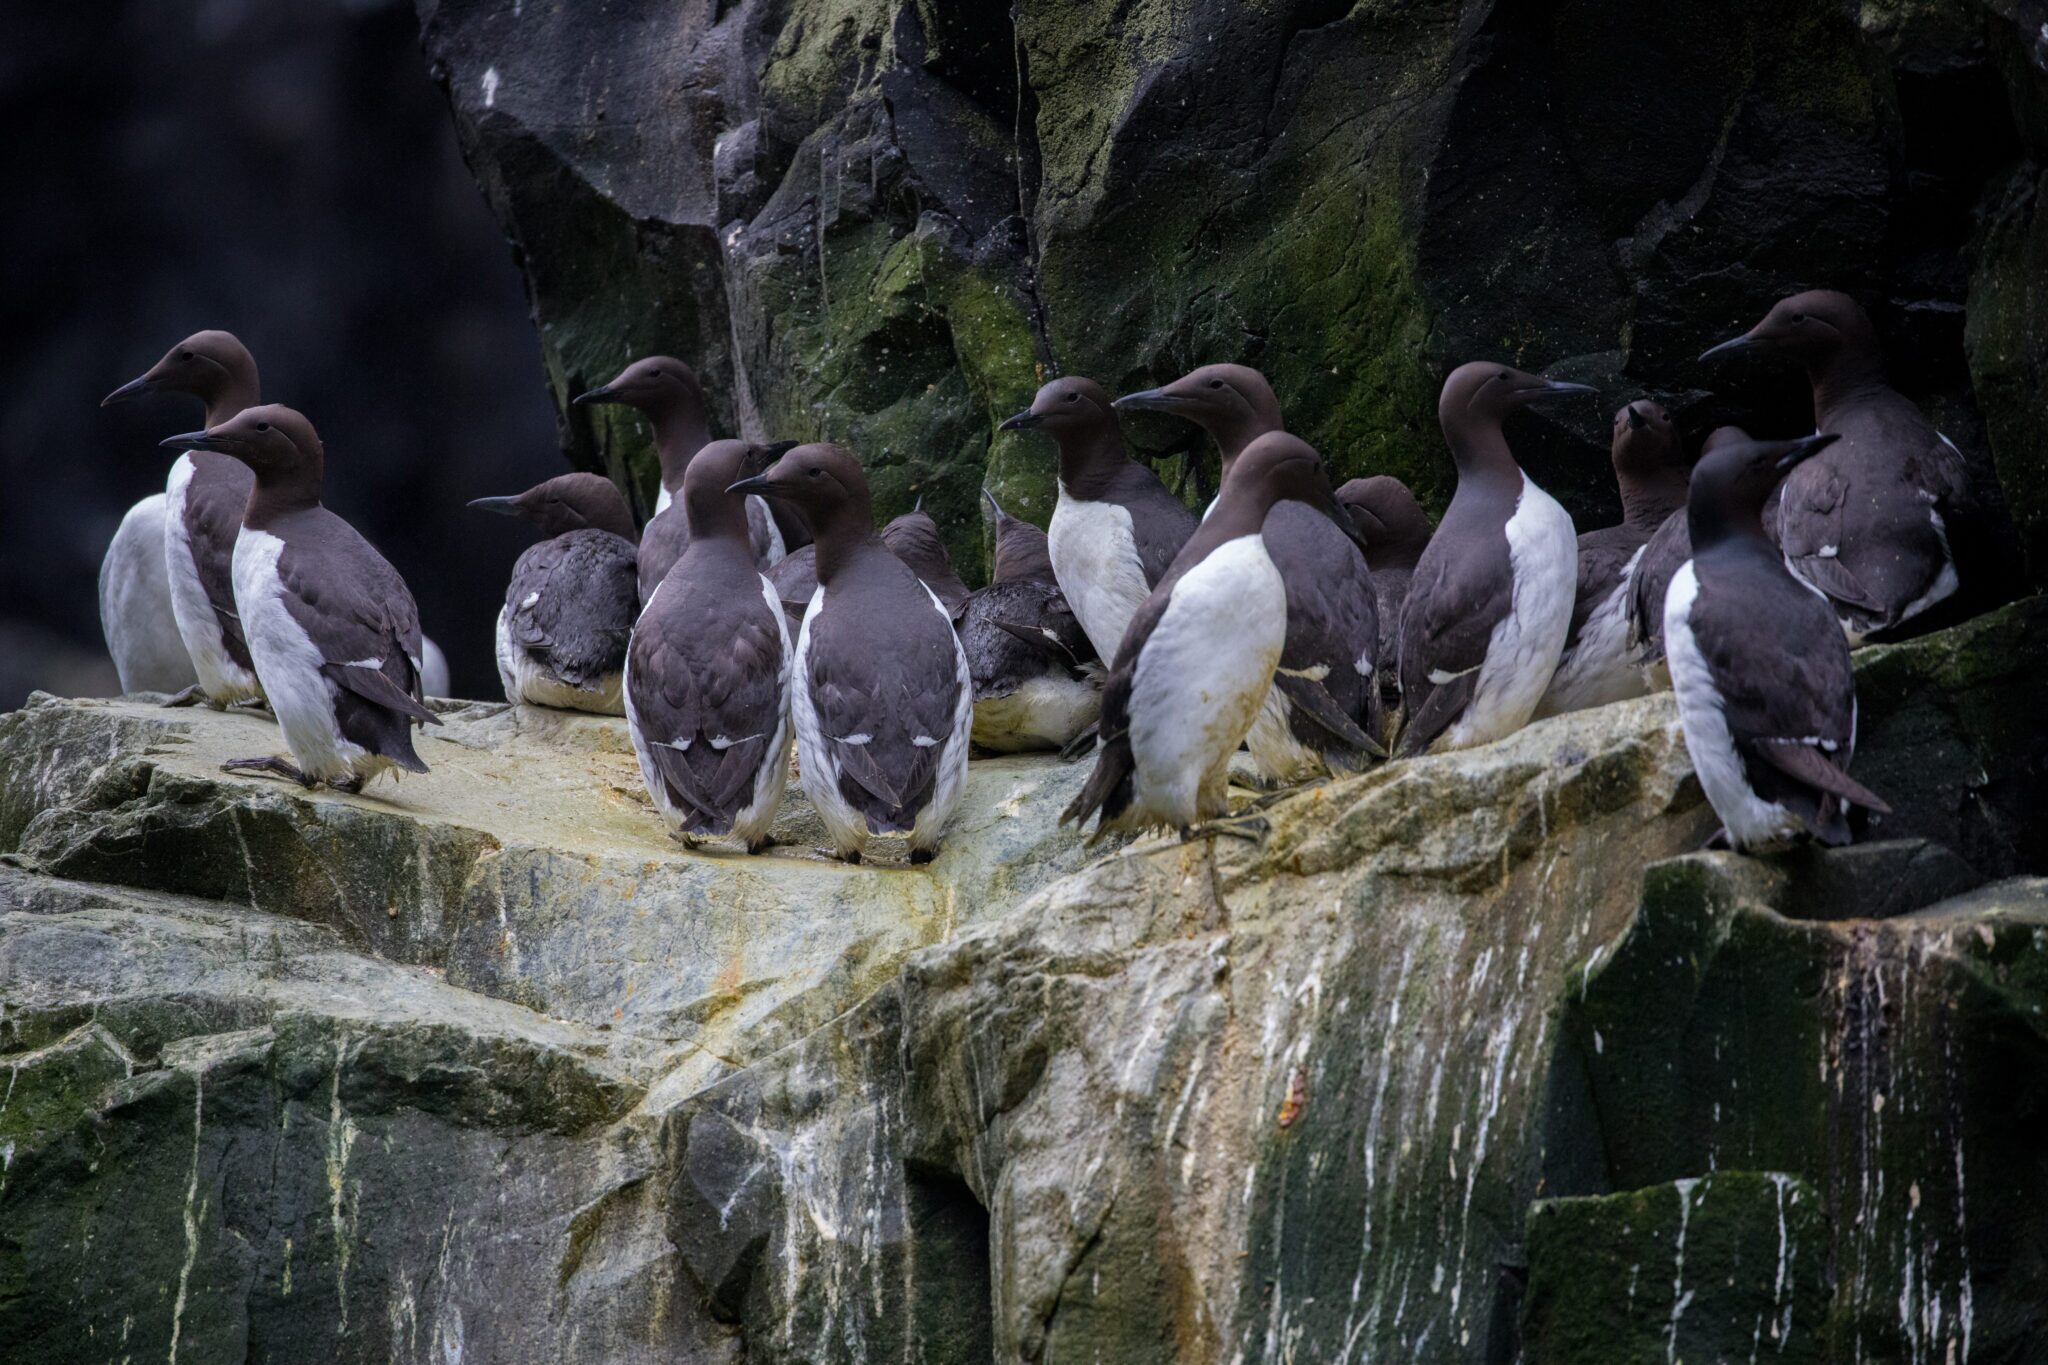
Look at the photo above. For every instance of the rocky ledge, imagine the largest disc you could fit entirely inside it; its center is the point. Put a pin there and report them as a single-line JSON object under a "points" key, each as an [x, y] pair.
{"points": [[1470, 1056]]}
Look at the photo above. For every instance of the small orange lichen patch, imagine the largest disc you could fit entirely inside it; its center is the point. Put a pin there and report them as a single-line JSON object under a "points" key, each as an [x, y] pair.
{"points": [[1297, 1098]]}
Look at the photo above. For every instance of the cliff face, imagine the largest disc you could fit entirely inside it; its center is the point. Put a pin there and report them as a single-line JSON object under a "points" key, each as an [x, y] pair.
{"points": [[885, 221], [1468, 1056]]}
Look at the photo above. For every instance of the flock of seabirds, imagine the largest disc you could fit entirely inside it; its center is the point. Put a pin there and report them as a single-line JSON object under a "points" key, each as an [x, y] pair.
{"points": [[1322, 629]]}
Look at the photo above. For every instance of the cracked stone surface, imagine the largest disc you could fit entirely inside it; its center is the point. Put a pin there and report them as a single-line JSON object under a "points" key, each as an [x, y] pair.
{"points": [[488, 1068]]}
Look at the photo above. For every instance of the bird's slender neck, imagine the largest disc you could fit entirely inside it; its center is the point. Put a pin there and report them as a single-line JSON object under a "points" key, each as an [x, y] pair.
{"points": [[280, 492], [238, 391], [1238, 430], [845, 544], [1647, 499], [1480, 451], [1723, 526], [1089, 457], [715, 515], [1855, 369], [680, 431]]}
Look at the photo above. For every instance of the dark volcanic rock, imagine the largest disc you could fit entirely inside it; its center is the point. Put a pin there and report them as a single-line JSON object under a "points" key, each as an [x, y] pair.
{"points": [[883, 221]]}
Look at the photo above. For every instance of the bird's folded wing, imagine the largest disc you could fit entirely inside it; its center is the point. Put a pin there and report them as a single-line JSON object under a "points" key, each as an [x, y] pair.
{"points": [[1312, 699], [361, 617], [711, 705], [1804, 762]]}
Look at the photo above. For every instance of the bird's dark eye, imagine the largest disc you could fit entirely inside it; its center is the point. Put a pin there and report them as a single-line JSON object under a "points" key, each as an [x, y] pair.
{"points": [[1798, 318], [1073, 398], [814, 473], [184, 355], [1215, 383], [263, 426], [1502, 376]]}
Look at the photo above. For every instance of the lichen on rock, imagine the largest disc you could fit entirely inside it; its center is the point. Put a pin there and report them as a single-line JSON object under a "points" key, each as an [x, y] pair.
{"points": [[486, 1061]]}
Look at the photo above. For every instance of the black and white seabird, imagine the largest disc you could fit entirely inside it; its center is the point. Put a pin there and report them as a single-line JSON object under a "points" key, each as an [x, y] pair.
{"points": [[1491, 599], [880, 696], [1599, 665], [1036, 679], [570, 604], [1199, 656], [1761, 672], [707, 676], [204, 499], [667, 393], [1668, 548], [914, 539], [1396, 531], [1868, 520], [1115, 528], [1333, 633], [330, 624]]}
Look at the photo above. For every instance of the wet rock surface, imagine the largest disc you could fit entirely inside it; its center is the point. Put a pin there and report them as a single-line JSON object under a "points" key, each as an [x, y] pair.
{"points": [[1470, 1055]]}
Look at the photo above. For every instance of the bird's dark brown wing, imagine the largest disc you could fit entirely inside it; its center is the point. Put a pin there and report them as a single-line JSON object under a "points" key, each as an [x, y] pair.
{"points": [[884, 677], [571, 603], [709, 677]]}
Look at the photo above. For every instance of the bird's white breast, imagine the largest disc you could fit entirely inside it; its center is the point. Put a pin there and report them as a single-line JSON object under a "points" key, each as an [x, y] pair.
{"points": [[1522, 653], [1095, 559], [815, 761], [1601, 667], [289, 663], [220, 676], [135, 604], [1750, 820], [1203, 672]]}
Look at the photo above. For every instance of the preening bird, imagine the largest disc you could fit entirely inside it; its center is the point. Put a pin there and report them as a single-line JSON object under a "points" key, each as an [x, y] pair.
{"points": [[914, 539], [1396, 531], [331, 626]]}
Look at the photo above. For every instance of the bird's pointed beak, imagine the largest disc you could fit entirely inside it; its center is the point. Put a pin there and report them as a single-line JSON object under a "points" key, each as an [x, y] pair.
{"points": [[1148, 400], [601, 394], [134, 388], [1732, 346], [504, 507], [1026, 420], [918, 506], [1636, 421], [1805, 448], [193, 440], [760, 483], [1553, 388], [993, 505]]}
